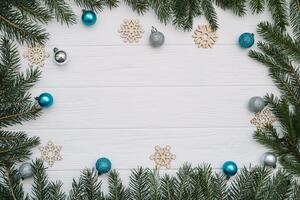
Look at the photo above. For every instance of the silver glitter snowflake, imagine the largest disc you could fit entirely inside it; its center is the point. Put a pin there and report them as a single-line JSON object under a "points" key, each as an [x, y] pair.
{"points": [[51, 153], [131, 31]]}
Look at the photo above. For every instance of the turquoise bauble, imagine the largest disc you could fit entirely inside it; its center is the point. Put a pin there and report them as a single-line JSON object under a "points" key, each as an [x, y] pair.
{"points": [[103, 165], [45, 100], [229, 168], [246, 40], [88, 17]]}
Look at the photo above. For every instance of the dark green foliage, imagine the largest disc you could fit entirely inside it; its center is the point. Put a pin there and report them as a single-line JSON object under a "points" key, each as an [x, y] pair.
{"points": [[279, 11], [257, 6], [138, 184], [55, 191], [281, 54], [91, 186], [238, 7], [40, 187], [117, 190], [295, 18], [140, 6]]}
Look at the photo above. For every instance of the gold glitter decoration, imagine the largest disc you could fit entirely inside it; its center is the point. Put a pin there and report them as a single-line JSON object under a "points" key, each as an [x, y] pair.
{"points": [[51, 153], [263, 118], [36, 55], [204, 36], [163, 157], [131, 31]]}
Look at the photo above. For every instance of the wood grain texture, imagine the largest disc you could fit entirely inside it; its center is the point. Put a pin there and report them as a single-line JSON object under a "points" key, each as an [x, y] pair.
{"points": [[120, 100]]}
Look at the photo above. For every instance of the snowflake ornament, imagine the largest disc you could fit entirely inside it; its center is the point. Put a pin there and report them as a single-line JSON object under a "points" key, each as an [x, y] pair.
{"points": [[51, 153], [204, 36], [36, 55], [263, 118], [131, 31], [162, 157]]}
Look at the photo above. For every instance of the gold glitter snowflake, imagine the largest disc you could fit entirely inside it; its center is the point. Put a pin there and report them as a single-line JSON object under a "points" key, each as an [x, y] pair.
{"points": [[51, 153], [263, 118], [204, 36], [36, 55], [163, 157], [131, 31]]}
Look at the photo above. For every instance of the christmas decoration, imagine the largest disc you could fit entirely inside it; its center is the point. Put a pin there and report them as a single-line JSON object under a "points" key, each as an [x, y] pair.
{"points": [[269, 159], [256, 104], [246, 40], [25, 170], [88, 17], [156, 38], [163, 157], [51, 153], [131, 31], [263, 118], [204, 36], [36, 55], [229, 168], [60, 57], [103, 165], [45, 100]]}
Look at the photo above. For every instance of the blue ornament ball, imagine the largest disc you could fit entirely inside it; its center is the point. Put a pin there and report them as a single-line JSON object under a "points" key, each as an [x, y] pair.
{"points": [[88, 17], [45, 100], [246, 40], [229, 168], [103, 165]]}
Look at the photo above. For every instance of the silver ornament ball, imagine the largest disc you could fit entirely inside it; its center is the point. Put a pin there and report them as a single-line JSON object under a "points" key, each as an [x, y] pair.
{"points": [[156, 38], [26, 170], [269, 159], [60, 56], [256, 104]]}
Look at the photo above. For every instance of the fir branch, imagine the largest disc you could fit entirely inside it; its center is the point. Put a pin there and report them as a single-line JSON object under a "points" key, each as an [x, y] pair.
{"points": [[96, 5], [33, 10], [91, 187], [163, 9], [117, 190], [154, 185], [182, 182], [12, 188], [209, 12], [238, 7], [16, 146], [55, 191], [62, 11], [112, 3], [184, 13], [140, 6], [277, 38], [138, 184], [15, 27], [76, 192], [257, 6], [168, 187], [40, 187], [279, 12], [295, 18]]}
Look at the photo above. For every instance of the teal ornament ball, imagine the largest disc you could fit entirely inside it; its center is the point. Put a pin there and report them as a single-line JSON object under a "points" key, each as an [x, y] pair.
{"points": [[229, 168], [45, 100], [246, 40], [256, 104], [103, 165], [25, 170], [88, 17], [156, 38]]}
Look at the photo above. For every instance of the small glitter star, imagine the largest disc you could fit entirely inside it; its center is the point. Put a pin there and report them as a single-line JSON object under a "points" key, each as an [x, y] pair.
{"points": [[204, 36], [51, 153], [263, 118], [36, 55], [131, 31], [162, 157]]}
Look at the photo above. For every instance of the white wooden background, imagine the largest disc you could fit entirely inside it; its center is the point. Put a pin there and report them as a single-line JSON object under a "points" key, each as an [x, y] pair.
{"points": [[120, 100]]}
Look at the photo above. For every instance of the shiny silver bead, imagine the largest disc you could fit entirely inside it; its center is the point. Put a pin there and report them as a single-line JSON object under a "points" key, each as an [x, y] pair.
{"points": [[60, 56]]}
